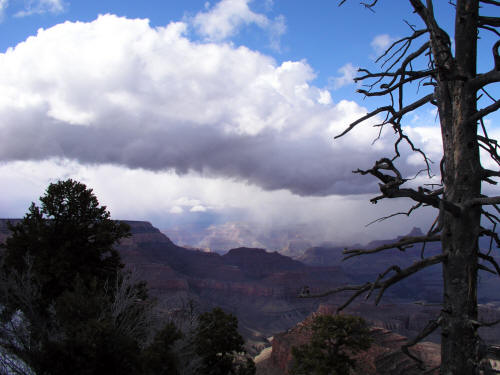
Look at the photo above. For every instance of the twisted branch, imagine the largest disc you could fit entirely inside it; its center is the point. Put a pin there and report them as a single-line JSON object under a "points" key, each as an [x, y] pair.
{"points": [[379, 284], [431, 326], [401, 245]]}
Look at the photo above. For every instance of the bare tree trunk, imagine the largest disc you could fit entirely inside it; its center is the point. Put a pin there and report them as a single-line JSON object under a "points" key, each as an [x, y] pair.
{"points": [[451, 71], [462, 182]]}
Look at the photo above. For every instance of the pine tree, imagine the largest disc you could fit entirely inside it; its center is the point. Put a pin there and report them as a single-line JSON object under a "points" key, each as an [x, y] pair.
{"points": [[335, 338], [219, 344], [67, 306]]}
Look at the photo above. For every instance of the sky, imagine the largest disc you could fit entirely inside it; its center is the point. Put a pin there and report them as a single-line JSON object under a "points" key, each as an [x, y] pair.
{"points": [[191, 114]]}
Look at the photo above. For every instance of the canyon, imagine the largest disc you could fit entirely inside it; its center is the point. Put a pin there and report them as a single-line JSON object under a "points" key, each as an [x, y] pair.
{"points": [[262, 289]]}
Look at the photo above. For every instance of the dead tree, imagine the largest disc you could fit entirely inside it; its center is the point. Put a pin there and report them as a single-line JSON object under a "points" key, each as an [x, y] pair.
{"points": [[447, 78]]}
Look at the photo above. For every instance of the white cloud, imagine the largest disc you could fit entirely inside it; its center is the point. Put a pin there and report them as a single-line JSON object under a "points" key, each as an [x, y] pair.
{"points": [[117, 91], [226, 18], [176, 210], [40, 7], [430, 136], [3, 6], [198, 208], [324, 97], [154, 195], [348, 73], [277, 28], [185, 201], [181, 126], [381, 42]]}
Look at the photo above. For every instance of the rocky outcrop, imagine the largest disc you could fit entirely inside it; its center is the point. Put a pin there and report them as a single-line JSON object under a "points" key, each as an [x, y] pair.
{"points": [[383, 358], [258, 263], [425, 285], [231, 288], [410, 318], [405, 318], [391, 324], [260, 287]]}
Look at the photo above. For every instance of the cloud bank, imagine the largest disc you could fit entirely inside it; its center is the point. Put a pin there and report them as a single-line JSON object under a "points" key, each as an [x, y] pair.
{"points": [[117, 91], [192, 203]]}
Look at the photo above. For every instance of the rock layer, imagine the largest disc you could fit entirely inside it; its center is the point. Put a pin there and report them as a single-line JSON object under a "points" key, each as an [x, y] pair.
{"points": [[383, 358]]}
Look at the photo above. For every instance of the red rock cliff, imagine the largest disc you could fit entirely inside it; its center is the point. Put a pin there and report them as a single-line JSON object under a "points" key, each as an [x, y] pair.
{"points": [[383, 358]]}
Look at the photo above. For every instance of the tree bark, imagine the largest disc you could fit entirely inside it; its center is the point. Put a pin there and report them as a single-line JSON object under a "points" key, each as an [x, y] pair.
{"points": [[452, 73], [462, 182]]}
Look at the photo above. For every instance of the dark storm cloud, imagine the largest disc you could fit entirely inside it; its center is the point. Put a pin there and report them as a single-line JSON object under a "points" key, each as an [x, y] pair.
{"points": [[305, 166]]}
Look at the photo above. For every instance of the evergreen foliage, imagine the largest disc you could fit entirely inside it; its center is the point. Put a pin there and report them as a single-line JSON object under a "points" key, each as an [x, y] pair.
{"points": [[159, 357], [335, 338], [220, 346], [67, 307], [69, 236]]}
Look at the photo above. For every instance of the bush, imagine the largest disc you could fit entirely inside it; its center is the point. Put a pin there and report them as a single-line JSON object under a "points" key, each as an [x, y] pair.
{"points": [[334, 339], [220, 346]]}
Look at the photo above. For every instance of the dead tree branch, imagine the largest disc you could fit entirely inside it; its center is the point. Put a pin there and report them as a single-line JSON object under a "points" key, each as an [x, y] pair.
{"points": [[457, 88], [390, 188], [491, 260], [492, 2], [379, 284], [401, 245], [483, 201], [489, 21], [485, 79], [485, 111], [431, 326], [407, 213]]}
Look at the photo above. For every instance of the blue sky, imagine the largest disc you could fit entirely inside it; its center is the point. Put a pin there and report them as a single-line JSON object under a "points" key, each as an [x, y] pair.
{"points": [[193, 113]]}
